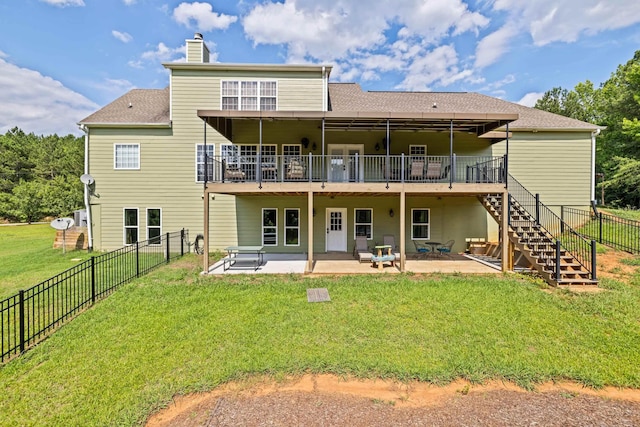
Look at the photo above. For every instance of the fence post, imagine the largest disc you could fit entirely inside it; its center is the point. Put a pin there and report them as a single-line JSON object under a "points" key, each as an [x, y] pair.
{"points": [[309, 168], [593, 260], [558, 275], [600, 220], [537, 208], [21, 310], [168, 253], [508, 209], [93, 280], [182, 242], [137, 259], [562, 218]]}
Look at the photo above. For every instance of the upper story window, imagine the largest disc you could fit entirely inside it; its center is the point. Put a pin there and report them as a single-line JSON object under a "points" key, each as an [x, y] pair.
{"points": [[126, 156], [249, 95]]}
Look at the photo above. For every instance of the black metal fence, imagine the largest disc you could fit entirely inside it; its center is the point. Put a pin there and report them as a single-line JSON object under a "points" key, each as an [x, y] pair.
{"points": [[565, 237], [607, 229], [32, 314]]}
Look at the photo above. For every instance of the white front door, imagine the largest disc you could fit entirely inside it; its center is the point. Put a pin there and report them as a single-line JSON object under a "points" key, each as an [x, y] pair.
{"points": [[345, 163], [337, 229]]}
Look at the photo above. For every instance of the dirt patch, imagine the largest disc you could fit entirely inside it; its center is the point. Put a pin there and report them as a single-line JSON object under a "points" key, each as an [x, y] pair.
{"points": [[611, 266], [326, 400]]}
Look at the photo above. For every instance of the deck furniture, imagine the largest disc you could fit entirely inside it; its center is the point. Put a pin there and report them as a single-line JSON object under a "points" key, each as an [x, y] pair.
{"points": [[434, 170], [390, 240], [423, 249], [295, 169], [445, 249], [234, 173], [361, 249], [243, 256], [417, 170], [381, 258]]}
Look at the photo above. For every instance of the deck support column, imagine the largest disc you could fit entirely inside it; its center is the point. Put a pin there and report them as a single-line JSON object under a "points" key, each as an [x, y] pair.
{"points": [[504, 228], [403, 234], [310, 232], [206, 231]]}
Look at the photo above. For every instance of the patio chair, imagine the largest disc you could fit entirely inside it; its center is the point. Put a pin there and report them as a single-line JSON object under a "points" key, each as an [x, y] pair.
{"points": [[234, 173], [417, 170], [434, 170], [389, 239], [361, 249], [295, 169], [445, 249], [422, 249]]}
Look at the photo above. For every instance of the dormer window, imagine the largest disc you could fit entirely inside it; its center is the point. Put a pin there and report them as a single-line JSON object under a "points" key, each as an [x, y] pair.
{"points": [[249, 95]]}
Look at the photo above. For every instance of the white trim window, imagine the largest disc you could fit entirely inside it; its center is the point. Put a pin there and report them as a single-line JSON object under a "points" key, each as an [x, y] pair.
{"points": [[291, 150], [420, 228], [269, 227], [126, 156], [200, 160], [154, 226], [417, 150], [249, 95], [292, 227], [130, 220], [363, 222]]}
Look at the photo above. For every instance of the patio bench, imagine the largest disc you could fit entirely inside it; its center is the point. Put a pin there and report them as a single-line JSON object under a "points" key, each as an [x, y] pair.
{"points": [[240, 256]]}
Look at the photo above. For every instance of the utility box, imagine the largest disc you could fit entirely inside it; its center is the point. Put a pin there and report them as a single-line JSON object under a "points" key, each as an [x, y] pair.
{"points": [[80, 217]]}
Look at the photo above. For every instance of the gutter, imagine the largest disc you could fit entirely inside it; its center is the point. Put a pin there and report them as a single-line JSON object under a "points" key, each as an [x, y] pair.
{"points": [[87, 191]]}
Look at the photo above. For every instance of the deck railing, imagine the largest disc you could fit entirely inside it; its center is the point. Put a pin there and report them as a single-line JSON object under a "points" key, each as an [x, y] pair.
{"points": [[357, 168], [32, 314]]}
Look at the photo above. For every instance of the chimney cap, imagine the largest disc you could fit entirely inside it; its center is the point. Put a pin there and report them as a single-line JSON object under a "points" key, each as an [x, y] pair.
{"points": [[197, 36]]}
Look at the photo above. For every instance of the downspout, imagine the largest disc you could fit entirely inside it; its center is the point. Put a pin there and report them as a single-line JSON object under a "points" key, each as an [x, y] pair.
{"points": [[87, 195], [593, 164]]}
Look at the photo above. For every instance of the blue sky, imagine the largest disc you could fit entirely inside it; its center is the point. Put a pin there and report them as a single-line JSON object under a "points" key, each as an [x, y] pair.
{"points": [[60, 60]]}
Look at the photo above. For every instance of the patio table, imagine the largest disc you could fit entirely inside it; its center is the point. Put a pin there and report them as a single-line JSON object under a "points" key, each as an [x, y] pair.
{"points": [[380, 258], [242, 255]]}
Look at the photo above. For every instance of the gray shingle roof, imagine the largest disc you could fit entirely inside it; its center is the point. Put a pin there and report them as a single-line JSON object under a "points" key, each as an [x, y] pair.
{"points": [[138, 106], [350, 97]]}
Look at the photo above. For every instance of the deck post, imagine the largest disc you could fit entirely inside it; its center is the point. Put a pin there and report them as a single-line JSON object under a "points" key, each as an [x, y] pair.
{"points": [[310, 232], [403, 255], [206, 232], [504, 228]]}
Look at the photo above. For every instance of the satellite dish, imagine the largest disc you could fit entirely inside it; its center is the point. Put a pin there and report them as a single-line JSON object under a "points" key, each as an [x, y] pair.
{"points": [[62, 223], [87, 179]]}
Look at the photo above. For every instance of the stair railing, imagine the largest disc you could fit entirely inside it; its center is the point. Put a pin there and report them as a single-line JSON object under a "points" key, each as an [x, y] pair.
{"points": [[558, 230]]}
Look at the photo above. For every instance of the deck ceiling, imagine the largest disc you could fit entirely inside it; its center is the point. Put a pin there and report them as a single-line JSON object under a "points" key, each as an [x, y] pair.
{"points": [[477, 123]]}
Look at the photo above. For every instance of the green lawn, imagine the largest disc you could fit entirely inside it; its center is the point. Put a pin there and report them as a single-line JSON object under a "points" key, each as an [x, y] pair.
{"points": [[28, 257], [174, 331], [633, 214]]}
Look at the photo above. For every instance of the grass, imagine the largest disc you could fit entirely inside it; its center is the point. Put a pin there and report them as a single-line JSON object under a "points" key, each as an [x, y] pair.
{"points": [[174, 331], [633, 214], [28, 257]]}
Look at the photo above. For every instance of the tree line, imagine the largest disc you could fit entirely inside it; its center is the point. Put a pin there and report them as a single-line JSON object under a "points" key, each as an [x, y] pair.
{"points": [[40, 175], [616, 105]]}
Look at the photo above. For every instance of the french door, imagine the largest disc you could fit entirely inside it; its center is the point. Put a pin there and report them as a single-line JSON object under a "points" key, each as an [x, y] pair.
{"points": [[345, 163]]}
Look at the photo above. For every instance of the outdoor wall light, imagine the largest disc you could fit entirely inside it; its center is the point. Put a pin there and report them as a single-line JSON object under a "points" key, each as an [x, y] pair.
{"points": [[305, 142], [377, 147], [391, 213], [313, 147]]}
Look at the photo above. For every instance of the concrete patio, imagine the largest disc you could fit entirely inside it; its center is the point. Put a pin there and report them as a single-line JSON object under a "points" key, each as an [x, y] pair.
{"points": [[341, 263]]}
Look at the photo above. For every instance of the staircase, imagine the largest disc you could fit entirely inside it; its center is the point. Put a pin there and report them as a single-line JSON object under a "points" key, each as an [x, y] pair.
{"points": [[539, 246]]}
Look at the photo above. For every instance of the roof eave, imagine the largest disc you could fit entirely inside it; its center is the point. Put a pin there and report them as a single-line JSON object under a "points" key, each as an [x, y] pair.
{"points": [[165, 125]]}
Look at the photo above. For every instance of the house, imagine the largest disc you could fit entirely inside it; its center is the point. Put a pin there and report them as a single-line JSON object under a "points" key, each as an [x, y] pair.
{"points": [[279, 156]]}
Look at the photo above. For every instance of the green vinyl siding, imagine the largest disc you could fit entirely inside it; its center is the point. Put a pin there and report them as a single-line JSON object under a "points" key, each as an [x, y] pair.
{"points": [[557, 165]]}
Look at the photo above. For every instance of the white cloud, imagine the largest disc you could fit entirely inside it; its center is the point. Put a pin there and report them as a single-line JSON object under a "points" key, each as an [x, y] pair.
{"points": [[438, 66], [530, 99], [128, 2], [549, 21], [3, 55], [64, 3], [202, 16], [38, 103], [115, 86], [163, 53], [493, 46], [123, 37]]}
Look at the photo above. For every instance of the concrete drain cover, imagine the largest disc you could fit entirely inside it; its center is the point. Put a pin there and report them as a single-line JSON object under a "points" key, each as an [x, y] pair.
{"points": [[318, 295]]}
